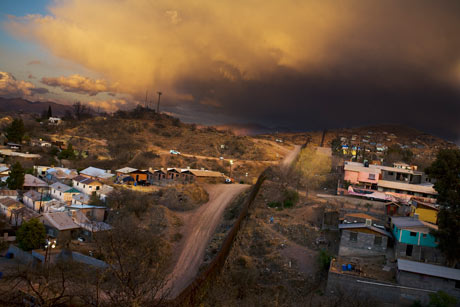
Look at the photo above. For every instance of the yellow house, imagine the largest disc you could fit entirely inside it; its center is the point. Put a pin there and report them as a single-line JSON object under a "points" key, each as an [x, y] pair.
{"points": [[426, 212]]}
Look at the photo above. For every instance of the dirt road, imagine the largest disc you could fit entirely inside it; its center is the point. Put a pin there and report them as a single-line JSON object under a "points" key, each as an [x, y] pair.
{"points": [[287, 161], [199, 225]]}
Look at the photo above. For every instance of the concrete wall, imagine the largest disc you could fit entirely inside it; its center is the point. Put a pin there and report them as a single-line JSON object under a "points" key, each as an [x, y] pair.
{"points": [[388, 293], [428, 282], [419, 253], [364, 246]]}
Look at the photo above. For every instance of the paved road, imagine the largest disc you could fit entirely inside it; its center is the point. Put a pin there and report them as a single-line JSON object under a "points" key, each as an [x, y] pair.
{"points": [[199, 226]]}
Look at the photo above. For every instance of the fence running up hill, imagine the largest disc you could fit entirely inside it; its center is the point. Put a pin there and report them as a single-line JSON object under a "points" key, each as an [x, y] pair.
{"points": [[191, 295]]}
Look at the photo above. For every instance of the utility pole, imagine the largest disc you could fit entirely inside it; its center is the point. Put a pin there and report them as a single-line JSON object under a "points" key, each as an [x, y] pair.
{"points": [[158, 104]]}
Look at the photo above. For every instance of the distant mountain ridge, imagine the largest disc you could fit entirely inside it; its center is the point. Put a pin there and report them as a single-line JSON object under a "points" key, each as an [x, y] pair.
{"points": [[32, 107]]}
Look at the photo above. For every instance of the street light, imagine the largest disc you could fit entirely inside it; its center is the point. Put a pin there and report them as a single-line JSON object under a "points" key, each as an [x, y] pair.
{"points": [[49, 244]]}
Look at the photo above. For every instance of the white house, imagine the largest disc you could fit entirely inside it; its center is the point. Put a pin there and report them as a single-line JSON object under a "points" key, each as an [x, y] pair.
{"points": [[54, 120], [63, 192], [35, 200], [86, 185]]}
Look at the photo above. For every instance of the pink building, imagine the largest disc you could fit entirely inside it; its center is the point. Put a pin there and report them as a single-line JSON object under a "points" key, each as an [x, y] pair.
{"points": [[360, 175]]}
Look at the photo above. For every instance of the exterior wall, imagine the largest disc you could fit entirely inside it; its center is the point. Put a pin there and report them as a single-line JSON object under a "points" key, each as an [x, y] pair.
{"points": [[419, 253], [427, 215], [351, 177], [87, 188], [364, 246], [139, 176], [94, 214], [338, 283], [365, 177], [428, 282], [403, 236]]}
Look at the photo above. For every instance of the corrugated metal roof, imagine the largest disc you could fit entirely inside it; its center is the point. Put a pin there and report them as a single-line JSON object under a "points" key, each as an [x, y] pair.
{"points": [[96, 172], [428, 269], [126, 170], [60, 220], [411, 222], [419, 188], [60, 187], [32, 181], [363, 225]]}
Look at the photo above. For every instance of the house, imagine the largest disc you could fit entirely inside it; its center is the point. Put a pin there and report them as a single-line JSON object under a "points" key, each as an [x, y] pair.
{"points": [[54, 121], [41, 170], [12, 153], [137, 175], [104, 192], [96, 173], [157, 175], [22, 215], [63, 192], [34, 183], [35, 200], [80, 199], [7, 205], [413, 239], [363, 239], [4, 171], [60, 225], [86, 185], [14, 146], [406, 191], [55, 206], [426, 211], [201, 175], [361, 175], [173, 173], [88, 227], [429, 277], [94, 213], [9, 193], [61, 174]]}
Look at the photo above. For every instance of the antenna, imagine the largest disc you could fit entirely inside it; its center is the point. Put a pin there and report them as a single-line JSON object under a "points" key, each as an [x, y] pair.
{"points": [[158, 104]]}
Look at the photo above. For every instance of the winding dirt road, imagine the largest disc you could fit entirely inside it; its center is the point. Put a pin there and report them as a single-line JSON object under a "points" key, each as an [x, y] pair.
{"points": [[199, 225], [290, 157]]}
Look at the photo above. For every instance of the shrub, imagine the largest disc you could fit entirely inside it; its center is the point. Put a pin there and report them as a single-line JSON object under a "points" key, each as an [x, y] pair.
{"points": [[324, 259]]}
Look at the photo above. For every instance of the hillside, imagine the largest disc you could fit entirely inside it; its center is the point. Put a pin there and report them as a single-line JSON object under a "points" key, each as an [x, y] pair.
{"points": [[142, 139], [19, 105]]}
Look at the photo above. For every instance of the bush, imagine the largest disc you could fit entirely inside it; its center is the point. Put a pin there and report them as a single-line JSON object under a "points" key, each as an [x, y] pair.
{"points": [[31, 235], [324, 259], [442, 299], [274, 204]]}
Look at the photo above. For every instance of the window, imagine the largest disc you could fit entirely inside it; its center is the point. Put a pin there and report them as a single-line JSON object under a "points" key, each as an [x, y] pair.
{"points": [[457, 284], [413, 234], [353, 236], [390, 173], [377, 241], [372, 176], [97, 188]]}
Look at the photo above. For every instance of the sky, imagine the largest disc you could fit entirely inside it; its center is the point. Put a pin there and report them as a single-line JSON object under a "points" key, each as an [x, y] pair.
{"points": [[301, 65]]}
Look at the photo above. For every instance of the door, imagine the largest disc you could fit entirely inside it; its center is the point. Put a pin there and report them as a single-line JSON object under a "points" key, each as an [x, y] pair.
{"points": [[409, 250]]}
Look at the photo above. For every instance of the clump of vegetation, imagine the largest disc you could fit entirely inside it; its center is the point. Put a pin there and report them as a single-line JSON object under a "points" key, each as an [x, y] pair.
{"points": [[16, 131], [313, 168], [183, 197], [442, 299], [31, 235], [15, 180], [324, 260]]}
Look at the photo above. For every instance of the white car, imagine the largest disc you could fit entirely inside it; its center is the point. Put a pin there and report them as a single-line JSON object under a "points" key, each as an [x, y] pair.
{"points": [[221, 158], [174, 152]]}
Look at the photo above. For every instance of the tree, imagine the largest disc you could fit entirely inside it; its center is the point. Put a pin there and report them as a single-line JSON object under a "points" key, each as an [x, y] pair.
{"points": [[15, 132], [67, 153], [313, 168], [395, 153], [442, 299], [446, 170], [137, 260], [50, 112], [15, 179], [81, 111], [31, 235], [336, 146]]}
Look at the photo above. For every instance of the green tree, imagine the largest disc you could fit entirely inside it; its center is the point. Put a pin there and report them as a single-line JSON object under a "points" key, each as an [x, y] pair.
{"points": [[446, 170], [15, 132], [50, 112], [442, 299], [15, 179], [313, 168], [31, 235], [68, 153]]}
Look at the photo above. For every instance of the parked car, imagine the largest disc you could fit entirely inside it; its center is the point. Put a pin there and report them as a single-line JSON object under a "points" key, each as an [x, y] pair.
{"points": [[174, 152], [229, 180], [221, 158]]}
